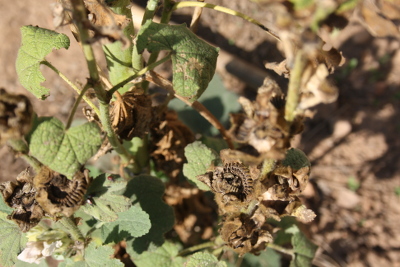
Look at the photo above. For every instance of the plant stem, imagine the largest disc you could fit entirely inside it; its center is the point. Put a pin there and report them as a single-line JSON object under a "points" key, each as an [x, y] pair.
{"points": [[293, 95], [139, 73], [62, 76], [69, 225], [81, 20], [167, 11], [224, 10], [195, 248], [281, 249], [203, 111], [21, 146], [76, 104]]}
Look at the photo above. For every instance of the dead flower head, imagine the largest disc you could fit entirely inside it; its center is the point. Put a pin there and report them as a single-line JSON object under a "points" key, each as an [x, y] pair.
{"points": [[169, 139], [58, 195], [16, 115], [263, 125], [21, 196], [131, 115]]}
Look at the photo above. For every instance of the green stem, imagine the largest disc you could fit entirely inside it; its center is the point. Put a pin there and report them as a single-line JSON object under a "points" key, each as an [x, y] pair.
{"points": [[196, 248], [76, 104], [224, 10], [81, 21], [62, 76], [281, 249], [167, 11], [21, 146], [70, 226], [139, 73], [165, 18], [293, 94]]}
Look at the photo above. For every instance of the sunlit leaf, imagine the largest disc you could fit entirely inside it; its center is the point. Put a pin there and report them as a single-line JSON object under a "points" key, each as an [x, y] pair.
{"points": [[131, 223], [36, 44], [64, 151], [304, 250], [194, 61], [105, 198], [12, 241], [204, 259], [165, 256], [199, 158]]}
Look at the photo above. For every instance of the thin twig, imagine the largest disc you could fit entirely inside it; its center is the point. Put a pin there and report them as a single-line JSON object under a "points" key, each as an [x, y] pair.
{"points": [[138, 74], [196, 248], [224, 10], [281, 249], [21, 147], [76, 104], [73, 86], [293, 95], [203, 111], [80, 19]]}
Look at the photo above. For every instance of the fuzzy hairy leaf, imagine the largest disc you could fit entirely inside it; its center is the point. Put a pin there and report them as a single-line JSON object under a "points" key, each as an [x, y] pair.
{"points": [[4, 207], [64, 151], [36, 44], [147, 192], [193, 60], [164, 256], [107, 199], [268, 258], [12, 241], [131, 223], [304, 250], [199, 158], [94, 257], [42, 263], [204, 259]]}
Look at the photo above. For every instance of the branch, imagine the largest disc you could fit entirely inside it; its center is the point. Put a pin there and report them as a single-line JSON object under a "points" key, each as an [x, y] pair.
{"points": [[203, 111]]}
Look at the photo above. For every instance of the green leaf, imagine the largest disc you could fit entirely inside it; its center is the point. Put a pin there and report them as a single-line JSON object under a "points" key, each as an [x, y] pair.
{"points": [[199, 158], [268, 258], [304, 250], [119, 58], [296, 159], [64, 151], [42, 263], [165, 256], [4, 207], [95, 257], [204, 259], [147, 192], [106, 198], [36, 44], [193, 59], [12, 241], [131, 223]]}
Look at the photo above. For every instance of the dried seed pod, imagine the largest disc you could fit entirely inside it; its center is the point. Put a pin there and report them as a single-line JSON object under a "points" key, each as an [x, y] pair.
{"points": [[20, 195], [131, 115], [231, 180], [16, 115], [169, 139], [56, 194]]}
